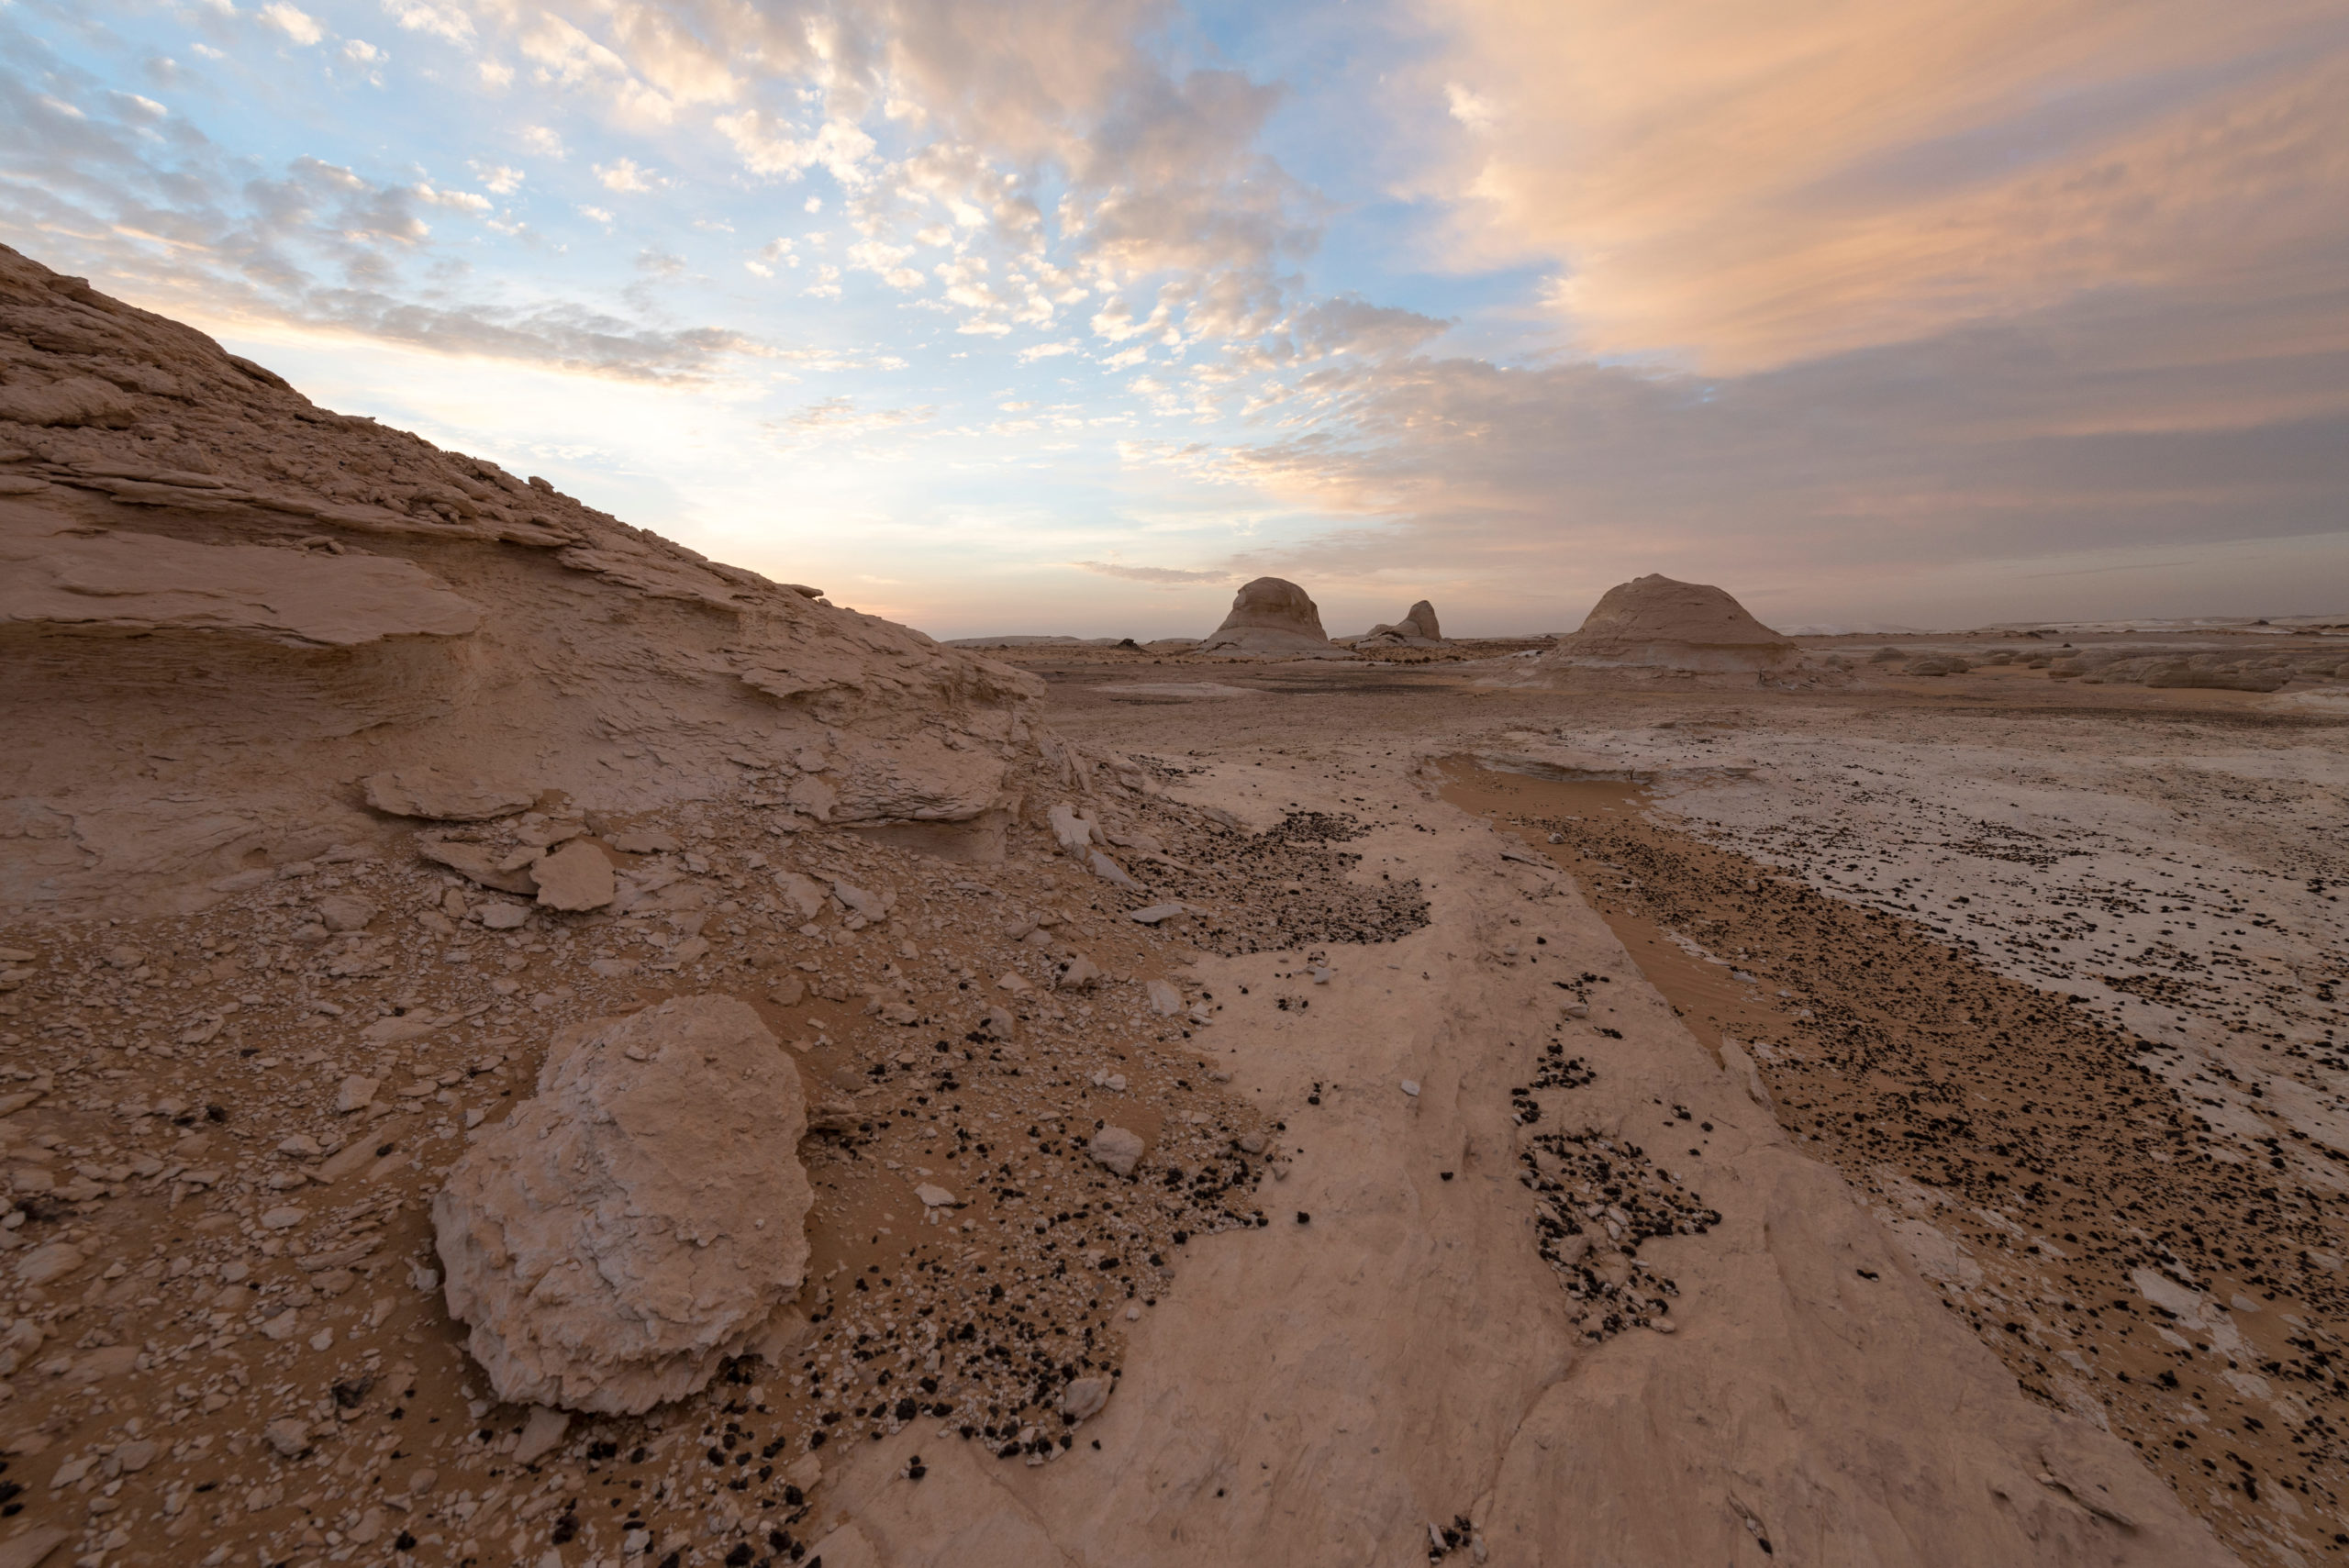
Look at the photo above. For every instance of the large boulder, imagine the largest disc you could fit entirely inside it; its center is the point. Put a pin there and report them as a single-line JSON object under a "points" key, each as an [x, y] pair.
{"points": [[1655, 629], [637, 1222], [1271, 615]]}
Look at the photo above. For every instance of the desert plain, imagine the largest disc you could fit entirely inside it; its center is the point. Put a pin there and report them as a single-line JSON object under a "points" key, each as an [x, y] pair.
{"points": [[523, 1045]]}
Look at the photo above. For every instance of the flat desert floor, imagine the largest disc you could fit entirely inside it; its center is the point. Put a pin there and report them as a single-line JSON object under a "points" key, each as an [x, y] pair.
{"points": [[1896, 1123]]}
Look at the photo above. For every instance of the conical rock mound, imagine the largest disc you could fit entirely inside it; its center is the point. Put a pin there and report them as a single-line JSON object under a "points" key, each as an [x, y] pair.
{"points": [[1657, 629], [1271, 615]]}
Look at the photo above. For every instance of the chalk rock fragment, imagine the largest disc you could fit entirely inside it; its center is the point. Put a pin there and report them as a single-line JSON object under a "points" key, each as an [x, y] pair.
{"points": [[637, 1222], [439, 797], [341, 912], [576, 876], [1084, 1396], [1164, 999], [542, 1432], [1117, 1148]]}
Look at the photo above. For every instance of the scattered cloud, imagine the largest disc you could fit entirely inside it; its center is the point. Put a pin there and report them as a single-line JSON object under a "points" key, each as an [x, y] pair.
{"points": [[839, 419], [623, 174], [1159, 574], [465, 201], [294, 23], [440, 21]]}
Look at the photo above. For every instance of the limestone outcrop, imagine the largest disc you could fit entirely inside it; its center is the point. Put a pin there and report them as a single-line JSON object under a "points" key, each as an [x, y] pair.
{"points": [[639, 1220], [1271, 616], [1418, 628], [309, 624]]}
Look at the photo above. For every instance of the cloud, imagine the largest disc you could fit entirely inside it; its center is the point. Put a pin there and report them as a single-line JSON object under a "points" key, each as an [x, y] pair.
{"points": [[496, 178], [839, 419], [295, 24], [464, 201], [1160, 575], [2112, 423], [440, 21], [309, 245], [767, 146], [622, 174], [1748, 187]]}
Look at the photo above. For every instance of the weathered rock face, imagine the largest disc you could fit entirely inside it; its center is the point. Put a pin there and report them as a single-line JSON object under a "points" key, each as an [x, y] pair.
{"points": [[1418, 628], [327, 626], [1270, 615], [639, 1220], [1655, 629]]}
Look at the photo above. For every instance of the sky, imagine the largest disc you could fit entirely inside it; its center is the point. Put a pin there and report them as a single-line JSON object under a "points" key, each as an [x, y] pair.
{"points": [[1000, 316]]}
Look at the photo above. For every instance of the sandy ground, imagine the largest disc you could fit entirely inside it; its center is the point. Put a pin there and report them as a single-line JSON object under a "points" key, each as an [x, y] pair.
{"points": [[1489, 1208]]}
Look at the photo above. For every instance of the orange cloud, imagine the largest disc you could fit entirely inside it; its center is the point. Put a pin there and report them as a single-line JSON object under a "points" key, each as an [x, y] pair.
{"points": [[1749, 183]]}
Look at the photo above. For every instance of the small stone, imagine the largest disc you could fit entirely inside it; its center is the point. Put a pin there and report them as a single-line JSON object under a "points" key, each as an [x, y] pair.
{"points": [[1411, 1088], [1165, 998], [644, 841], [858, 901], [49, 1262], [137, 1454], [934, 1197], [576, 876], [284, 1218], [289, 1435], [341, 912], [1078, 972], [1084, 1396], [1154, 914], [354, 1094], [1117, 1148], [500, 916], [1251, 1144]]}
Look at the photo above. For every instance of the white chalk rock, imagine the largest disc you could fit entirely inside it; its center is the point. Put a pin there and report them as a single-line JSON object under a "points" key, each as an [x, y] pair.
{"points": [[1117, 1148], [640, 1220], [1271, 616]]}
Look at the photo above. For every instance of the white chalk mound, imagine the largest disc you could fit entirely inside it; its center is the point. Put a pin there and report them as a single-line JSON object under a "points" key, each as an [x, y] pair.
{"points": [[1418, 628], [1655, 629], [639, 1220], [1271, 615]]}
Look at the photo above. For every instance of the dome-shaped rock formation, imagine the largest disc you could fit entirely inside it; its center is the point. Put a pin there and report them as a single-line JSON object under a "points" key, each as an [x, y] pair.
{"points": [[1656, 629], [1271, 615]]}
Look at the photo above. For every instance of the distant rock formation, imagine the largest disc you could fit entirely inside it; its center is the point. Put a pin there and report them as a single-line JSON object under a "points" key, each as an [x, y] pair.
{"points": [[1655, 629], [1271, 616], [1418, 628]]}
